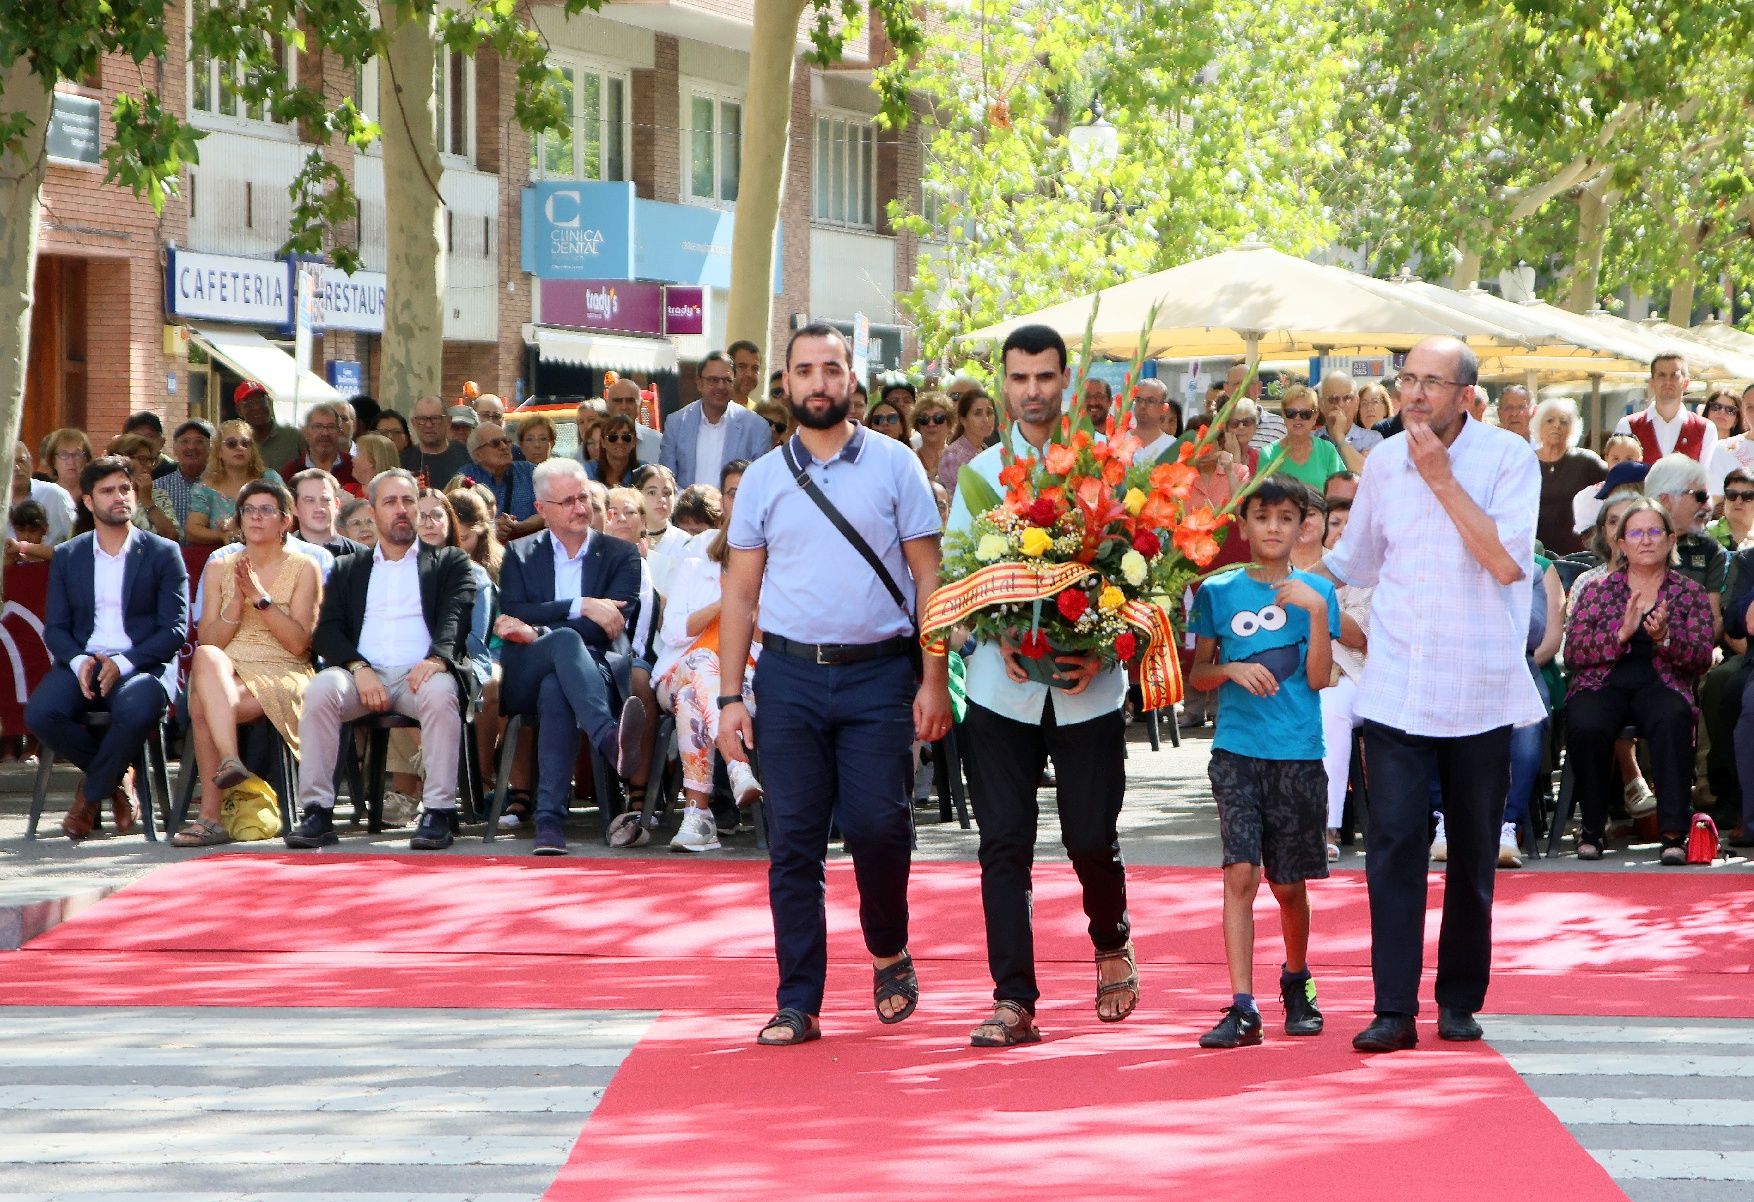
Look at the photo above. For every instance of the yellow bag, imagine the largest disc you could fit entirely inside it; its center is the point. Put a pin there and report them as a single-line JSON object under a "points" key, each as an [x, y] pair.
{"points": [[251, 811]]}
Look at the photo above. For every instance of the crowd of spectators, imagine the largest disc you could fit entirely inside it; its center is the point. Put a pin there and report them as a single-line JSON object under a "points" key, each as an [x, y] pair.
{"points": [[1638, 615]]}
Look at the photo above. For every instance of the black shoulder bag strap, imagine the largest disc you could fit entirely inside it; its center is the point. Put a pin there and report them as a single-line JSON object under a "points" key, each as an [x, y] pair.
{"points": [[849, 533]]}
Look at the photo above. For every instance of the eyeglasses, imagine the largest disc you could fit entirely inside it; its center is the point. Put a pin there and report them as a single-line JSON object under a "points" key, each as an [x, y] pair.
{"points": [[266, 512], [237, 444], [1424, 383], [1698, 494], [1240, 421], [429, 419], [435, 518], [779, 427], [723, 380], [70, 456], [886, 419], [617, 438], [322, 428], [494, 443], [1739, 495], [1646, 534], [1719, 407], [1299, 415], [572, 502], [930, 419]]}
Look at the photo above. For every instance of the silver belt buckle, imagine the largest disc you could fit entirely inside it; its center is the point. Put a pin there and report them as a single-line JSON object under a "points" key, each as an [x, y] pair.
{"points": [[820, 647]]}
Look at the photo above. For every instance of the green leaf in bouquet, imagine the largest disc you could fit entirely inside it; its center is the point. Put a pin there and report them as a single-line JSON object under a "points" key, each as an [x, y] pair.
{"points": [[977, 494]]}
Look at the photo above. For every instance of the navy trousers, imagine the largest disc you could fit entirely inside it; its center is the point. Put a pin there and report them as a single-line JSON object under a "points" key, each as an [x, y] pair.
{"points": [[1473, 774], [557, 679], [835, 744], [54, 712]]}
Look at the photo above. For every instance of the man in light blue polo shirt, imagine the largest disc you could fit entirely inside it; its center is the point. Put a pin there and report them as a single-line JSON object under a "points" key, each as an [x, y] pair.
{"points": [[1014, 724], [838, 702]]}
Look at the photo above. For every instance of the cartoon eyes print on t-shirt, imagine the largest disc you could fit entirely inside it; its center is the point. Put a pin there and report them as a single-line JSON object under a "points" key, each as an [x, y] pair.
{"points": [[1246, 625]]}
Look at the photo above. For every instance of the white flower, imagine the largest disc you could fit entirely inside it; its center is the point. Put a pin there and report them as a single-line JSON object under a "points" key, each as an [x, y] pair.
{"points": [[1134, 568], [991, 547]]}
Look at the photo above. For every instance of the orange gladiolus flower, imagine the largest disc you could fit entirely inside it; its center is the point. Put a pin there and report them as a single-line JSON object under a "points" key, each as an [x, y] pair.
{"points": [[1113, 472], [1177, 479], [1081, 439], [1061, 459], [1016, 473], [1201, 548]]}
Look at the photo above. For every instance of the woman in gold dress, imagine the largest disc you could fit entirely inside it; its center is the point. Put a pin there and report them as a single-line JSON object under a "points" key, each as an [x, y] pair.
{"points": [[254, 658]]}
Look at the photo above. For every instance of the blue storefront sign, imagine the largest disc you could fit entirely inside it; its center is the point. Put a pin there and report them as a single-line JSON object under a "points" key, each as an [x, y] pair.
{"points": [[346, 376], [597, 231]]}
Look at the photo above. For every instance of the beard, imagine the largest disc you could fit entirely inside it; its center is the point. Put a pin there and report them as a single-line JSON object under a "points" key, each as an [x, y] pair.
{"points": [[822, 419]]}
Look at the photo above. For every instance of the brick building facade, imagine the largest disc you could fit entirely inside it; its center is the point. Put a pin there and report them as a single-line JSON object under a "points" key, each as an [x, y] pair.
{"points": [[106, 339]]}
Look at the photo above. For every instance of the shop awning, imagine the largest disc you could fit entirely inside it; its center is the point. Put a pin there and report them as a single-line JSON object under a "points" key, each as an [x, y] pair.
{"points": [[255, 358], [606, 352]]}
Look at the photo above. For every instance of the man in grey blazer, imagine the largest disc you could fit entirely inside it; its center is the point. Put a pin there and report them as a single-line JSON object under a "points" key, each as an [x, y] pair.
{"points": [[703, 437]]}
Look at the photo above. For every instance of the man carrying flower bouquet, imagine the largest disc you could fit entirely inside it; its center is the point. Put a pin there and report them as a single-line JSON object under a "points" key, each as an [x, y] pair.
{"points": [[1016, 721]]}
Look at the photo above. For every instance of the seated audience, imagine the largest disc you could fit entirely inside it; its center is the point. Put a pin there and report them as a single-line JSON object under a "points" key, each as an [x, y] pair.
{"points": [[394, 426], [476, 537], [616, 460], [1677, 483], [355, 522], [1566, 470], [1736, 451], [152, 509], [1637, 641], [28, 540], [394, 627], [316, 508], [697, 512], [1619, 449], [64, 454], [665, 543], [590, 433], [1735, 530], [536, 438], [566, 595], [233, 463], [254, 660], [509, 480], [433, 456], [116, 617], [373, 455], [325, 448], [193, 444], [150, 426], [59, 508]]}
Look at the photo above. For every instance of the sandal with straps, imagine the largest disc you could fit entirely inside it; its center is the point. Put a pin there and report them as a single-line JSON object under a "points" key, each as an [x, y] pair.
{"points": [[1009, 1026], [794, 1020], [1128, 984], [203, 832], [896, 981]]}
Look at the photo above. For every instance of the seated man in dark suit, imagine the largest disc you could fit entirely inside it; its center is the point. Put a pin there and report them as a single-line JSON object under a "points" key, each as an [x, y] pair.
{"points": [[395, 628], [118, 612], [565, 595]]}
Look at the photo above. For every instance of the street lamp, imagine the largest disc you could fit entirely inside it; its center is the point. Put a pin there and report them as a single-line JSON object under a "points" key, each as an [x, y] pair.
{"points": [[1095, 145]]}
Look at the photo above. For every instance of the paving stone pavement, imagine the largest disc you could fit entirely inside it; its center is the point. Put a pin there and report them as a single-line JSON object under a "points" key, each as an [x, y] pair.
{"points": [[180, 1104]]}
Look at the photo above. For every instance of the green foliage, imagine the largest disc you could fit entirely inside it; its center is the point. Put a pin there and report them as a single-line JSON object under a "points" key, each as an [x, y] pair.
{"points": [[1223, 110], [153, 145]]}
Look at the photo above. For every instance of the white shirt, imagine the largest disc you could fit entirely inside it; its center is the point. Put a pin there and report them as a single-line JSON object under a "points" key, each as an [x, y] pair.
{"points": [[394, 634], [1154, 449], [569, 574], [1269, 428], [1734, 452], [696, 584], [1668, 431], [109, 634], [1446, 639], [57, 503], [709, 447], [668, 551]]}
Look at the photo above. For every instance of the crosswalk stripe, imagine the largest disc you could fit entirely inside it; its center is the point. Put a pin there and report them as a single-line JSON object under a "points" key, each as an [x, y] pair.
{"points": [[165, 1099], [1680, 1164], [261, 1196], [1519, 1031], [1620, 1064], [317, 1057], [221, 1147], [1655, 1112]]}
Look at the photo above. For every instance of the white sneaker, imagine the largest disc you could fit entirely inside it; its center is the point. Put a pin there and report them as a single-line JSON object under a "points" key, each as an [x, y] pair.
{"points": [[1440, 843], [698, 832], [1509, 854], [744, 787], [1333, 847], [1639, 798]]}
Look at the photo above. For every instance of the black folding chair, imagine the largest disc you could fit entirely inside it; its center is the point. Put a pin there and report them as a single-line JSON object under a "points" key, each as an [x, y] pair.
{"points": [[149, 767]]}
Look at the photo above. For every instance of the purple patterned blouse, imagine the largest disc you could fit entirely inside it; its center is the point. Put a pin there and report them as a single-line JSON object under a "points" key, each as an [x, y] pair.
{"points": [[1592, 633]]}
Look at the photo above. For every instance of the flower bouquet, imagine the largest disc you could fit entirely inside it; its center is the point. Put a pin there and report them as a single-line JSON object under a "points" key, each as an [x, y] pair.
{"points": [[1086, 551]]}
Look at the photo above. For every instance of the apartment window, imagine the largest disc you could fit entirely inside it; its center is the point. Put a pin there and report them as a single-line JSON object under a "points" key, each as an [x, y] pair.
{"points": [[215, 87], [593, 142], [453, 82], [846, 171], [715, 148]]}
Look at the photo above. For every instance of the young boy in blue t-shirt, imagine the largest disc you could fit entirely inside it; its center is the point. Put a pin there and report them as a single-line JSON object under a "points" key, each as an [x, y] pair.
{"points": [[1263, 640]]}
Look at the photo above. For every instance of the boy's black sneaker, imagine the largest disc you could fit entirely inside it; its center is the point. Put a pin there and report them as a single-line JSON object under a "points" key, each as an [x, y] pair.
{"points": [[1301, 1015], [1238, 1028], [315, 829]]}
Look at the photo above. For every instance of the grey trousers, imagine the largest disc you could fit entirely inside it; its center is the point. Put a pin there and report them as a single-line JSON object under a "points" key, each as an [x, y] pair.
{"points": [[333, 699]]}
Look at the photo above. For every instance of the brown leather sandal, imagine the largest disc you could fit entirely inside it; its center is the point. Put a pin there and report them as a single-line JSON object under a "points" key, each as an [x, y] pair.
{"points": [[1128, 984], [1009, 1026]]}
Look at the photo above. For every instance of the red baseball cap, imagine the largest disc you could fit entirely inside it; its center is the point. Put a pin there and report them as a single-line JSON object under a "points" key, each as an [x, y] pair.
{"points": [[247, 389]]}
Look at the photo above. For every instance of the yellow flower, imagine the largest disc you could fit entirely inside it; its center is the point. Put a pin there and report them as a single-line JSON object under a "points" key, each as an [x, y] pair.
{"points": [[1134, 568], [1134, 501], [1037, 542], [1111, 598], [992, 547]]}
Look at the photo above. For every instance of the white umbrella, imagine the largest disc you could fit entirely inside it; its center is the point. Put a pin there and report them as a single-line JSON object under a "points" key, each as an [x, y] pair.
{"points": [[1252, 301], [1729, 337]]}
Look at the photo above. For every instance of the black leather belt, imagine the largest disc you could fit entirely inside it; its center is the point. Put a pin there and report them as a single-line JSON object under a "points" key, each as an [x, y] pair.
{"points": [[837, 653]]}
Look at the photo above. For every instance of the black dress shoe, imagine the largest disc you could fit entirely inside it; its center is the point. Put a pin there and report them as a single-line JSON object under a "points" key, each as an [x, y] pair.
{"points": [[1457, 1026], [1387, 1033], [433, 833]]}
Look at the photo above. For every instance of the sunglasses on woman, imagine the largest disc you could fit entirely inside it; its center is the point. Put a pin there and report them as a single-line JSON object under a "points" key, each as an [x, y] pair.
{"points": [[617, 438], [1720, 407], [931, 419], [237, 444], [1299, 415], [886, 419]]}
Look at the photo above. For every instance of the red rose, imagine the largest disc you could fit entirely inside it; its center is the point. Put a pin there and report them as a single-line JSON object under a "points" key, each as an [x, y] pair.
{"points": [[1072, 602], [1125, 644], [1146, 544], [1044, 512], [1034, 645]]}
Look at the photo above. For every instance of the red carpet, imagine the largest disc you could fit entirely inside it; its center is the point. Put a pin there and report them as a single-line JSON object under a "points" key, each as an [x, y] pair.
{"points": [[911, 1111]]}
